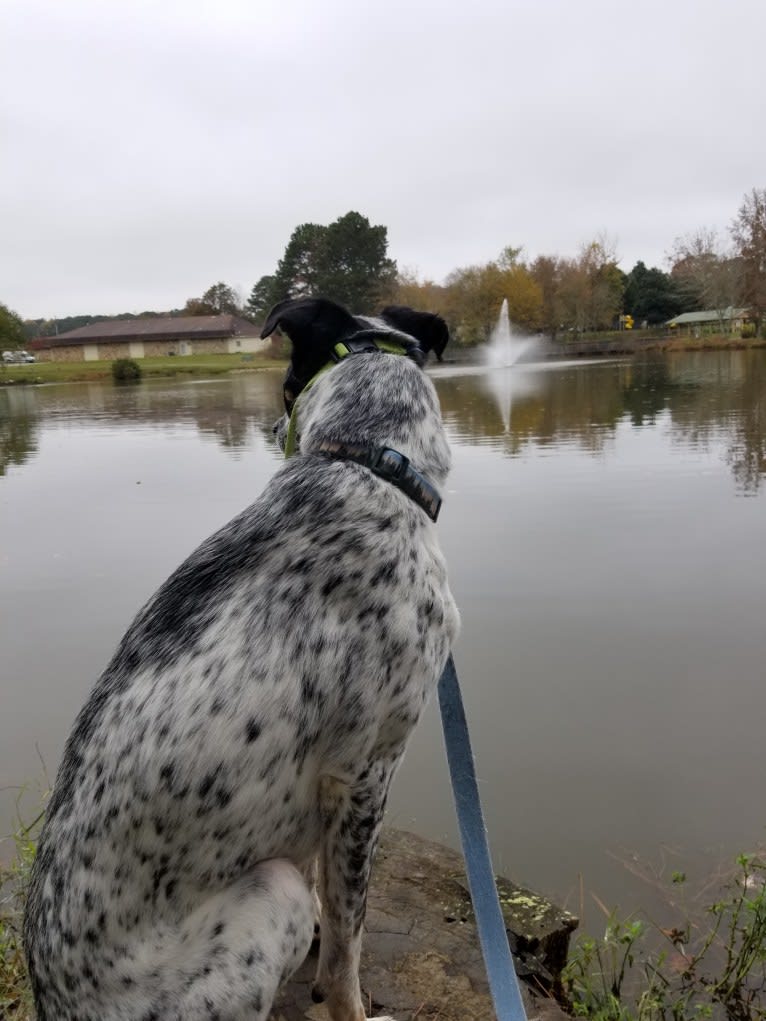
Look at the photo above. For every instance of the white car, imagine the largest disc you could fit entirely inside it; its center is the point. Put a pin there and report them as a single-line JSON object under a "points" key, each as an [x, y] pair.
{"points": [[11, 357]]}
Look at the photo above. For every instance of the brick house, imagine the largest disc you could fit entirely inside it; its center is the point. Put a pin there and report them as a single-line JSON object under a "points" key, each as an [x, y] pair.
{"points": [[151, 337]]}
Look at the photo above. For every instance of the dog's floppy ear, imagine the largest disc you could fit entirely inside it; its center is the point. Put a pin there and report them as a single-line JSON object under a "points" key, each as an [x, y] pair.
{"points": [[427, 328], [310, 323]]}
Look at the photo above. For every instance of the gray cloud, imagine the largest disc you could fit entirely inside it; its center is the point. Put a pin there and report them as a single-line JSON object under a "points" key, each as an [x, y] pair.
{"points": [[149, 150]]}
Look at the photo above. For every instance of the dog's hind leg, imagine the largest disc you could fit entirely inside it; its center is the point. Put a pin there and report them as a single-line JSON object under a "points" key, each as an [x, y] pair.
{"points": [[310, 873], [352, 816], [233, 951]]}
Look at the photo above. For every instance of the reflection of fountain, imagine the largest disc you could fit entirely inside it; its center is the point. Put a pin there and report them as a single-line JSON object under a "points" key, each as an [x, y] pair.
{"points": [[505, 349], [505, 345]]}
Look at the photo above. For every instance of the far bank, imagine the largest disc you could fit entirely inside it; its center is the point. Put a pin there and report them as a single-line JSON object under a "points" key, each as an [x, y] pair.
{"points": [[206, 365]]}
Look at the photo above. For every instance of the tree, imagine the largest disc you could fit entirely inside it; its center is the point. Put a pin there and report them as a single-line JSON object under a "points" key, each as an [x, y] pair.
{"points": [[425, 295], [297, 270], [590, 288], [217, 300], [547, 271], [345, 261], [650, 295], [11, 328], [748, 232], [197, 307], [475, 294], [261, 297], [605, 284], [704, 269], [353, 268]]}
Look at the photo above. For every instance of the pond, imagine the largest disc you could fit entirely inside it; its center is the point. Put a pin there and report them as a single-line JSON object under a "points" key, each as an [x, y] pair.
{"points": [[605, 526]]}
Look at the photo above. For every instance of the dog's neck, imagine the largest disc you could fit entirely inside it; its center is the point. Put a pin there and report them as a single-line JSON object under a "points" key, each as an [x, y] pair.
{"points": [[391, 465], [365, 341], [372, 403]]}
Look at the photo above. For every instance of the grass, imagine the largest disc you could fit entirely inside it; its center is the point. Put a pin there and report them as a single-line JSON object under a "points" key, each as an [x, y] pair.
{"points": [[181, 365], [15, 993]]}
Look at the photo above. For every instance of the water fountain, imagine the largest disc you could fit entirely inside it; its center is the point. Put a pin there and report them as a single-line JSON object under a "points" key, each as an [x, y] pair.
{"points": [[505, 345], [505, 349]]}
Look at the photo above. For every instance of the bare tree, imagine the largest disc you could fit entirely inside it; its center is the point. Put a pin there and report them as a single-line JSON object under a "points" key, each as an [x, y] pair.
{"points": [[700, 261], [748, 231]]}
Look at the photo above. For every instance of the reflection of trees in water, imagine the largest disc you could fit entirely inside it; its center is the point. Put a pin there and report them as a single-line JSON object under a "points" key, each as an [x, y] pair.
{"points": [[706, 396], [18, 427], [648, 390], [747, 452], [580, 404], [728, 402], [231, 428], [233, 410]]}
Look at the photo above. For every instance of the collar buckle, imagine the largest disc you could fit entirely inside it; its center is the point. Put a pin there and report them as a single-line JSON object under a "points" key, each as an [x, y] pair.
{"points": [[390, 464]]}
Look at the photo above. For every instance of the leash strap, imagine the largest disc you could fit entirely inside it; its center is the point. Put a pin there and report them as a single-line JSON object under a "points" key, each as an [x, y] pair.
{"points": [[503, 984]]}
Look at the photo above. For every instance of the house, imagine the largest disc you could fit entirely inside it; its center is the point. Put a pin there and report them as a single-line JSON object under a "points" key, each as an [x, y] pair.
{"points": [[717, 320], [151, 337]]}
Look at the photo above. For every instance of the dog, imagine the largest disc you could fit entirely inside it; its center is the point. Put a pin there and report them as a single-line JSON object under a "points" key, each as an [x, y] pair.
{"points": [[254, 714]]}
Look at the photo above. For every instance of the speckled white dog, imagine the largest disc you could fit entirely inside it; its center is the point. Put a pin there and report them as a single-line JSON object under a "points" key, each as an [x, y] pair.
{"points": [[252, 718]]}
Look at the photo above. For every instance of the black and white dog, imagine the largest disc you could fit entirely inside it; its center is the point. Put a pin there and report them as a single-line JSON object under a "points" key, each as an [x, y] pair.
{"points": [[255, 712]]}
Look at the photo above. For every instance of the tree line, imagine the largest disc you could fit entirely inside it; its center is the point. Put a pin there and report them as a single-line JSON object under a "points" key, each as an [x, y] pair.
{"points": [[556, 294], [348, 261]]}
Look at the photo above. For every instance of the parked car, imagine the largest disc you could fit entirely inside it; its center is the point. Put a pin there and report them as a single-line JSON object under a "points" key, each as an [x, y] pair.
{"points": [[11, 357]]}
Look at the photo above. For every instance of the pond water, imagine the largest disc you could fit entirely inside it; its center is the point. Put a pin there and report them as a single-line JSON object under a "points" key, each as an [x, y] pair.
{"points": [[604, 523]]}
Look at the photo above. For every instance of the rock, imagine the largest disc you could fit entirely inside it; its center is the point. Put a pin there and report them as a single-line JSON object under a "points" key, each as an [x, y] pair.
{"points": [[421, 956]]}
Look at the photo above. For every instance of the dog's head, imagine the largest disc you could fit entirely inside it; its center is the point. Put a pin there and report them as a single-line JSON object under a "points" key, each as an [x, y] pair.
{"points": [[315, 325]]}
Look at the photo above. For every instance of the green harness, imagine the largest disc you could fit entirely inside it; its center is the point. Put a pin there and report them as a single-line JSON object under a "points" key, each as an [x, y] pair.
{"points": [[384, 462], [339, 352]]}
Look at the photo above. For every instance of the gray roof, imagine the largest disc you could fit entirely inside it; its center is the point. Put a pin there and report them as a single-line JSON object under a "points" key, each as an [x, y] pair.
{"points": [[154, 328], [711, 315]]}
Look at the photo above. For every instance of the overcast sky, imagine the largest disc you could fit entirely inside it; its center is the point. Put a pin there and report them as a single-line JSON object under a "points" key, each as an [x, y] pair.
{"points": [[150, 149]]}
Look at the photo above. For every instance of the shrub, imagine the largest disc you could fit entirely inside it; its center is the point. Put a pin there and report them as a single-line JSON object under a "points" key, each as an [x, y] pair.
{"points": [[747, 331], [125, 370]]}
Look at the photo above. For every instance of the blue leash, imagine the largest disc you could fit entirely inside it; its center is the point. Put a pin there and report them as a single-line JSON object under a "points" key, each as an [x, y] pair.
{"points": [[503, 983]]}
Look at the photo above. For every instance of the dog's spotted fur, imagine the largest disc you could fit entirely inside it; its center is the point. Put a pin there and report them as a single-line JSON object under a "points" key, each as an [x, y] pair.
{"points": [[251, 720]]}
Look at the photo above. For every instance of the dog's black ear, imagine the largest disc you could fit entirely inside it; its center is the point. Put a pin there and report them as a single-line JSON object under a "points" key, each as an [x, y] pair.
{"points": [[427, 328], [310, 323]]}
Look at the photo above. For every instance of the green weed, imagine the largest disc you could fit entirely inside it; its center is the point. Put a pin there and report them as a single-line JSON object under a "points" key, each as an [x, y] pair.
{"points": [[713, 966], [15, 994]]}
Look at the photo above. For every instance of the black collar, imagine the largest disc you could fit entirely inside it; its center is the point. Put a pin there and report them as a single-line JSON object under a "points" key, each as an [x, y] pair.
{"points": [[393, 467]]}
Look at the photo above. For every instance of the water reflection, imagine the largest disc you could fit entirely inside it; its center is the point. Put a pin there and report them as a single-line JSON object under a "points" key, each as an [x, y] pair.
{"points": [[228, 410], [706, 397], [18, 427]]}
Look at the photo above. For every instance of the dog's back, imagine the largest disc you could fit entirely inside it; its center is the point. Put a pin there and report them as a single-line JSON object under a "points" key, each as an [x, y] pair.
{"points": [[272, 681]]}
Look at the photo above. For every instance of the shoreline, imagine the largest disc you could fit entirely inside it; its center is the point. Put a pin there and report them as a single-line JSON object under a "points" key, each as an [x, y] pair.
{"points": [[420, 955], [623, 344], [40, 373]]}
